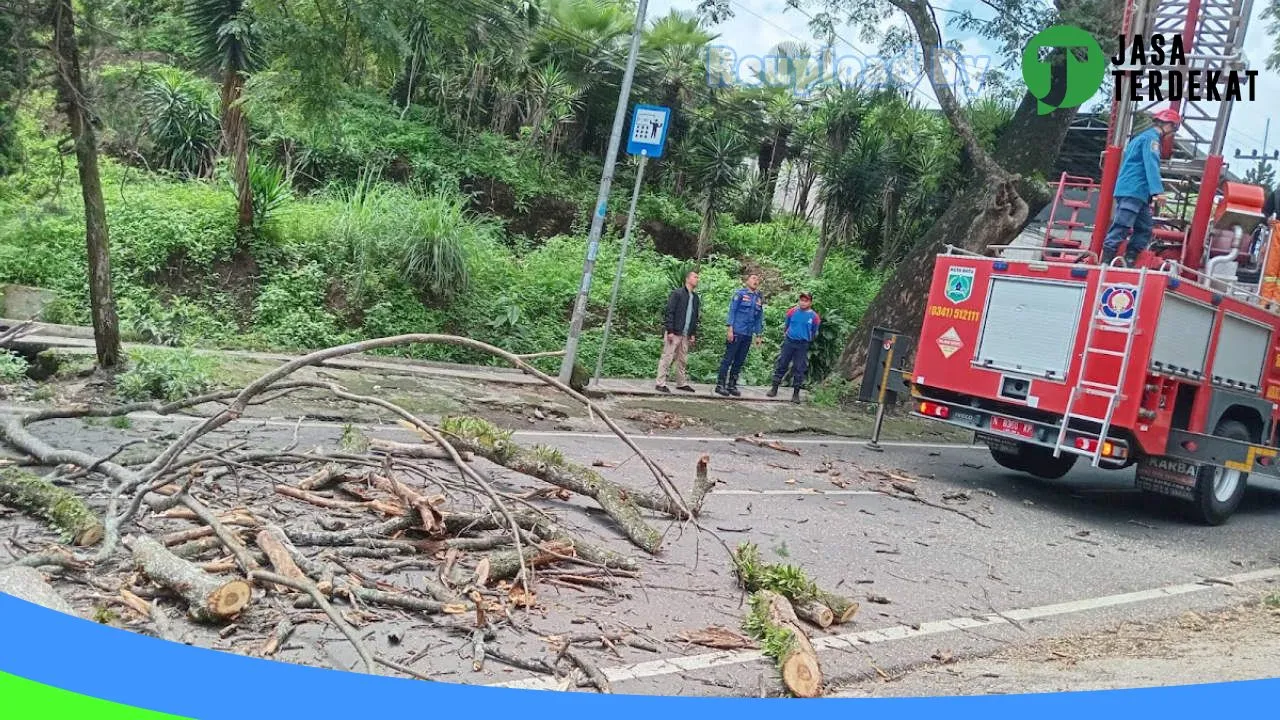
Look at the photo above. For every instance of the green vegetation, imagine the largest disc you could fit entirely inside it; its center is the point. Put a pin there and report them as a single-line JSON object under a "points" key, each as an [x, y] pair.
{"points": [[165, 375], [13, 367], [775, 641], [420, 166], [786, 580]]}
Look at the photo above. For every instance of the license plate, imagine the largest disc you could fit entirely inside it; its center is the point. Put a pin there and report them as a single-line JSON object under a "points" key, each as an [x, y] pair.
{"points": [[1013, 427], [966, 418]]}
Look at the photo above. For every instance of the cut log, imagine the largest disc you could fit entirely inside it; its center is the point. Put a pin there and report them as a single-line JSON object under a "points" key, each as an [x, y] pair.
{"points": [[842, 607], [274, 544], [209, 598], [797, 660], [815, 612], [65, 511], [431, 520]]}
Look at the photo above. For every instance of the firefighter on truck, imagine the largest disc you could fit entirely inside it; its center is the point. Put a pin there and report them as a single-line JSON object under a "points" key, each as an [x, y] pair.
{"points": [[1137, 185]]}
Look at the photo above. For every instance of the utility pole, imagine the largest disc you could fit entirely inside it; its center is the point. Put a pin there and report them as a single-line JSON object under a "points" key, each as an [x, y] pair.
{"points": [[1264, 158], [617, 278], [649, 125], [602, 199]]}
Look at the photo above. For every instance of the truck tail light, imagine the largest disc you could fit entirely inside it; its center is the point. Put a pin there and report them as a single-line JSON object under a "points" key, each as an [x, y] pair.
{"points": [[935, 410], [1108, 450]]}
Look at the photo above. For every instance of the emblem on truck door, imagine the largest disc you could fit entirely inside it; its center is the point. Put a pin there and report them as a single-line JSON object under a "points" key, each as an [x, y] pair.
{"points": [[959, 284], [1118, 302]]}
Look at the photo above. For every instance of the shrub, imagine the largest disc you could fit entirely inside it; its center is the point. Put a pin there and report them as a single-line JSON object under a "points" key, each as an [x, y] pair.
{"points": [[13, 367], [165, 375]]}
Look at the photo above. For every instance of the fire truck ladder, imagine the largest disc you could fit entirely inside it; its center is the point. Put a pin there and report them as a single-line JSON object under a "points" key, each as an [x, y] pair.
{"points": [[1099, 325], [1072, 236]]}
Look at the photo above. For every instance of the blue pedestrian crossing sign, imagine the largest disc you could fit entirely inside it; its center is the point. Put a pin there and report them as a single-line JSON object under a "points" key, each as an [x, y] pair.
{"points": [[649, 125]]}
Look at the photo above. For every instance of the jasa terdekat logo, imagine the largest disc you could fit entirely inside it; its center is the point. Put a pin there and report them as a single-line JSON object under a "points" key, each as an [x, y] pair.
{"points": [[1080, 73]]}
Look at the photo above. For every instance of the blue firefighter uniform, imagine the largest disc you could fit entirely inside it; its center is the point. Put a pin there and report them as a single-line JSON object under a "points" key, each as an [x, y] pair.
{"points": [[801, 328], [746, 317], [1138, 182]]}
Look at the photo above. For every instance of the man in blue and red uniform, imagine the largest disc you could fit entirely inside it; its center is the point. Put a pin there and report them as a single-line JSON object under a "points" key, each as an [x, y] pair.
{"points": [[801, 328], [745, 321], [1137, 185]]}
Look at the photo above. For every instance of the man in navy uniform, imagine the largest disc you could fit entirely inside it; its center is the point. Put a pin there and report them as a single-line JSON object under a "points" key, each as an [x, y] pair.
{"points": [[1137, 185], [745, 321]]}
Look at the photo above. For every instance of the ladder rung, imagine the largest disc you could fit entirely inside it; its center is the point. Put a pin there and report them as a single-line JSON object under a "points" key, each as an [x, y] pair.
{"points": [[1082, 416], [1108, 353], [1098, 392], [1098, 385], [1114, 329]]}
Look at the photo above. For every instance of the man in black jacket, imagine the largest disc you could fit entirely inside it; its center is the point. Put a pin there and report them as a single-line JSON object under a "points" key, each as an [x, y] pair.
{"points": [[680, 329]]}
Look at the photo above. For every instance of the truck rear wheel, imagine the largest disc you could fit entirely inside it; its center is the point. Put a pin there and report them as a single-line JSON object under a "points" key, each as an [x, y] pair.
{"points": [[1219, 490], [1012, 461], [1041, 462], [1035, 460]]}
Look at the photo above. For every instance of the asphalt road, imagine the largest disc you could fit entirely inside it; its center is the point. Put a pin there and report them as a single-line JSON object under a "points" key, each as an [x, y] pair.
{"points": [[1034, 558]]}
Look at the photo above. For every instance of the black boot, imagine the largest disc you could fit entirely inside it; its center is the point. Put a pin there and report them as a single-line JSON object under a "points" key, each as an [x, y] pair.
{"points": [[795, 395], [1131, 257], [773, 391], [720, 390], [732, 387], [1107, 256]]}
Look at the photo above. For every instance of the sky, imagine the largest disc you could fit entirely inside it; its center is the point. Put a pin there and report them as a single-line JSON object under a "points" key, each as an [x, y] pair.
{"points": [[760, 25]]}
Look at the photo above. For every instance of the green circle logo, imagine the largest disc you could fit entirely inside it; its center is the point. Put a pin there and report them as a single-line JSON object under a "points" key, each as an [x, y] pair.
{"points": [[1070, 82]]}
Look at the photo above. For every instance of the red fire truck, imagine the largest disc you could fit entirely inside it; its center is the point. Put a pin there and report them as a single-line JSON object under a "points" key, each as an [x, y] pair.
{"points": [[1171, 366]]}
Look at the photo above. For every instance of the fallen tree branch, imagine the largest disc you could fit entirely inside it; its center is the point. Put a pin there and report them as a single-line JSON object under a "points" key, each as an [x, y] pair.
{"points": [[228, 540], [417, 452], [62, 509], [771, 444], [318, 598], [487, 441], [791, 582], [896, 493], [589, 668]]}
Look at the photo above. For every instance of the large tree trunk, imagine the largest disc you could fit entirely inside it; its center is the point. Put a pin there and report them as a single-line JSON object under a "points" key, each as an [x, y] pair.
{"points": [[980, 215], [71, 98], [235, 137]]}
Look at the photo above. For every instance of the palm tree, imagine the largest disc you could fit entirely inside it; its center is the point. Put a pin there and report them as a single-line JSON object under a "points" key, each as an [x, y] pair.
{"points": [[715, 168], [850, 165], [225, 40], [676, 45]]}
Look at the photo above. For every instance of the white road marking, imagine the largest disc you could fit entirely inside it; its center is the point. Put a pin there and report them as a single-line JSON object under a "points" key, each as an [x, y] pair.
{"points": [[687, 663], [806, 491]]}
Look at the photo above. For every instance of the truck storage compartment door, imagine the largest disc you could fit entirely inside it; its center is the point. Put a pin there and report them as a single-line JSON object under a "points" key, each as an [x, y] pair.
{"points": [[1182, 337], [1242, 351], [1030, 326]]}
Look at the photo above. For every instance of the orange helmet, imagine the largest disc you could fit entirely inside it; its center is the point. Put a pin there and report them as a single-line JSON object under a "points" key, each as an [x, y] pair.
{"points": [[1168, 115]]}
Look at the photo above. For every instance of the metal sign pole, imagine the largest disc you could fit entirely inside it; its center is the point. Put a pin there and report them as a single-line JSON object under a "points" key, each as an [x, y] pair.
{"points": [[602, 200], [622, 258], [884, 388]]}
